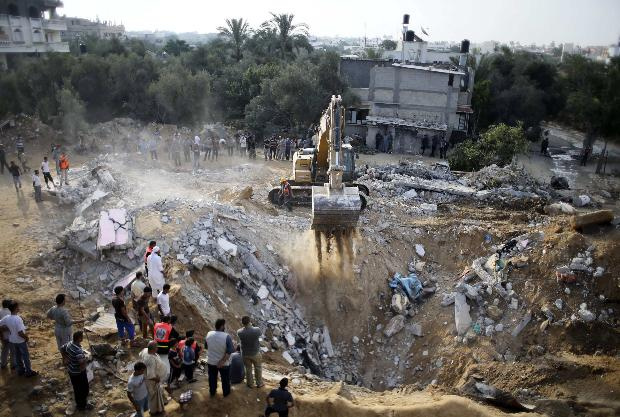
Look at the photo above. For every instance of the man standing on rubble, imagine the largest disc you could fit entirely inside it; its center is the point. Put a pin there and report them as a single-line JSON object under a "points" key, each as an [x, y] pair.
{"points": [[36, 184], [219, 347], [16, 174], [156, 271], [63, 163], [155, 373], [434, 143], [76, 360], [378, 141], [250, 351], [195, 157], [424, 144], [47, 175], [4, 335], [145, 319], [63, 328], [123, 322], [163, 301], [3, 159], [18, 340], [56, 157], [137, 287], [176, 150], [149, 250]]}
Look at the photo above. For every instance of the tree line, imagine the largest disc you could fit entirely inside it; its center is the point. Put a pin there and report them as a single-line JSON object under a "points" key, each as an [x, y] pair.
{"points": [[264, 79]]}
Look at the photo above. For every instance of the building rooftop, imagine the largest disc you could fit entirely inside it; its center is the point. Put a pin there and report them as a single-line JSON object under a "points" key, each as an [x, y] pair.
{"points": [[429, 68]]}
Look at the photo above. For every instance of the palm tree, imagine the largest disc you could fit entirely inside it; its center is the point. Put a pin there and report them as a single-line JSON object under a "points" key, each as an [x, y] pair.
{"points": [[237, 31], [289, 35]]}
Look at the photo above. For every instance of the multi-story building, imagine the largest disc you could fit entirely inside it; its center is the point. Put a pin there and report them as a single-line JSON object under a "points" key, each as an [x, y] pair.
{"points": [[409, 100], [78, 27], [30, 26]]}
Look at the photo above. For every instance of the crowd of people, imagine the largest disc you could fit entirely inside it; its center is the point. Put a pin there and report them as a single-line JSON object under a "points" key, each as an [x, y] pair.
{"points": [[184, 147], [437, 142], [171, 355], [61, 160], [280, 148]]}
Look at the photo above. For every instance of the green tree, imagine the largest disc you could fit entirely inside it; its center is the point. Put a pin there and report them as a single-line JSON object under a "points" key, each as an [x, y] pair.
{"points": [[175, 46], [237, 31], [498, 145], [290, 35], [179, 95], [72, 113], [389, 45], [371, 53]]}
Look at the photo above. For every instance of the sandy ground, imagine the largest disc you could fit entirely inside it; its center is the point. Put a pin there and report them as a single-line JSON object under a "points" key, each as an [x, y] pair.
{"points": [[569, 372]]}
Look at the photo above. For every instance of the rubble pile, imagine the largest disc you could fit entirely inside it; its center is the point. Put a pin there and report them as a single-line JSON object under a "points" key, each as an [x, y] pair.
{"points": [[414, 183]]}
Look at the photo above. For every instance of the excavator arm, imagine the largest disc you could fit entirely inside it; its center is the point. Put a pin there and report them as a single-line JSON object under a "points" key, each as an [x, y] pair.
{"points": [[334, 205]]}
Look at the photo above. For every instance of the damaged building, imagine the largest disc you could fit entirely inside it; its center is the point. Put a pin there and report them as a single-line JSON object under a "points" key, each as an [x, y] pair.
{"points": [[409, 98], [28, 27]]}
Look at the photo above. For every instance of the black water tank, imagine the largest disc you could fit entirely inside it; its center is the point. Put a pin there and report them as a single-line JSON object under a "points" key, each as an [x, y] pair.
{"points": [[465, 46], [410, 36], [405, 19], [83, 49]]}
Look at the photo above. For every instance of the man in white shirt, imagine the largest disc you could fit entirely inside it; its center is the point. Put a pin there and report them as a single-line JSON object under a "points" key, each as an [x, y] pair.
{"points": [[18, 340], [155, 374], [36, 184], [47, 174], [156, 271], [163, 301], [6, 347]]}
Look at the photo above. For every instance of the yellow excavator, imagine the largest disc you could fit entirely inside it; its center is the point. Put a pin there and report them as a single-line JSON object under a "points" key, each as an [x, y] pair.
{"points": [[324, 175]]}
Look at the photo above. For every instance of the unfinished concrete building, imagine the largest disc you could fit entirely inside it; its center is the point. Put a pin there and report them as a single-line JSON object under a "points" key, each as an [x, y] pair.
{"points": [[30, 26], [409, 100]]}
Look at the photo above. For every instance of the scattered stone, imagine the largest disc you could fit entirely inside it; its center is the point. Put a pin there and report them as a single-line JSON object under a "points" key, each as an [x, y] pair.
{"points": [[356, 340], [287, 357], [585, 314], [582, 200], [395, 325], [514, 303], [416, 329], [227, 246], [495, 312], [594, 218], [263, 292], [524, 322], [559, 208], [559, 183], [399, 303], [599, 272], [558, 303], [447, 300], [462, 317], [419, 249], [565, 275]]}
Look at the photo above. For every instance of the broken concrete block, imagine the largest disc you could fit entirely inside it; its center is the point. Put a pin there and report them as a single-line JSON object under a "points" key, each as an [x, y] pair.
{"points": [[327, 342], [408, 195], [524, 322], [462, 317], [448, 299], [592, 219], [599, 272], [395, 325], [494, 312], [585, 314], [287, 357], [107, 234], [559, 208], [430, 208], [419, 249], [122, 228], [227, 246], [416, 329], [263, 292], [290, 339], [582, 200], [90, 200], [565, 275]]}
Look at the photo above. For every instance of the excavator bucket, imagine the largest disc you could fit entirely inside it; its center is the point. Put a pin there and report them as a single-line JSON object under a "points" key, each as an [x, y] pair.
{"points": [[335, 209]]}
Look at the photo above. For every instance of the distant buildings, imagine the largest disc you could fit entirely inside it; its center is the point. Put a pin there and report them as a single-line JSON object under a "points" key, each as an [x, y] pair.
{"points": [[30, 26], [78, 27]]}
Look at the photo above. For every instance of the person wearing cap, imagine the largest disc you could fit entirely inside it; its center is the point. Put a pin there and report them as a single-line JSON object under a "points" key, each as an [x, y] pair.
{"points": [[279, 400], [156, 271]]}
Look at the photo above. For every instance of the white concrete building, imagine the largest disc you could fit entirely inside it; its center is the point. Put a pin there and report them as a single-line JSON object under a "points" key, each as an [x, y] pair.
{"points": [[78, 27], [30, 26]]}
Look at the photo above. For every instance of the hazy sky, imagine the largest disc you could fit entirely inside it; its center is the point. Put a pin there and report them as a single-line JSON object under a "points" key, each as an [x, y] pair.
{"points": [[587, 22]]}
